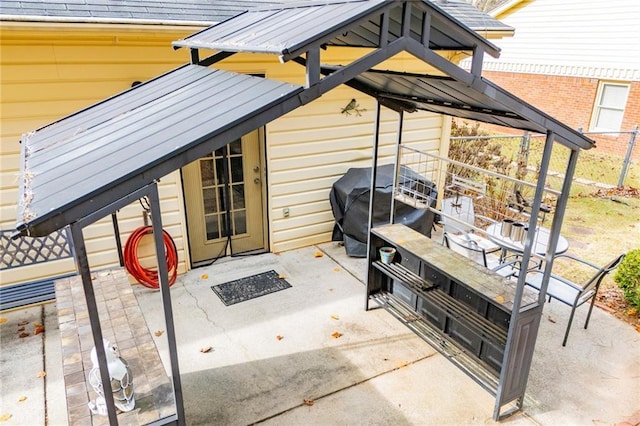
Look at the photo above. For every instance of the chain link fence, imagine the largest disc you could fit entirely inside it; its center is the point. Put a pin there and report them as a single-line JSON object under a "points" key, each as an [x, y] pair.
{"points": [[614, 162]]}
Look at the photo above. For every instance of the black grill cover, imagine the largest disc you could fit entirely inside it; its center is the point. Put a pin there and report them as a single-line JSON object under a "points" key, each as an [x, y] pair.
{"points": [[349, 199]]}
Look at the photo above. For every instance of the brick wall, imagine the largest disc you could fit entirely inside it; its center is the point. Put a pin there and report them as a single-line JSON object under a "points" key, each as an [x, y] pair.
{"points": [[570, 100]]}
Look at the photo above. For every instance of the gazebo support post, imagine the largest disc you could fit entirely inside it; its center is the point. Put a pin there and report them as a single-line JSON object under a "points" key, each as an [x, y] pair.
{"points": [[372, 192], [82, 264], [163, 273]]}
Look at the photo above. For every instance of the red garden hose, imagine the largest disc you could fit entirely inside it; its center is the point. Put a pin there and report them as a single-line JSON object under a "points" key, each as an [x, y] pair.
{"points": [[149, 277]]}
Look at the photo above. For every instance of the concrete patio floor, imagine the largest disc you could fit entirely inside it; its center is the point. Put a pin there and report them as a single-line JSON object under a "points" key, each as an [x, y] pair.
{"points": [[376, 372]]}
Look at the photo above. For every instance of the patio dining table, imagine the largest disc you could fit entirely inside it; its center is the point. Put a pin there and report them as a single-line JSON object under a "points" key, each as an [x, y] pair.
{"points": [[540, 242]]}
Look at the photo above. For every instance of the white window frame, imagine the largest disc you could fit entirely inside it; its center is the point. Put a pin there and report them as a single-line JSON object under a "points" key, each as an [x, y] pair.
{"points": [[597, 107]]}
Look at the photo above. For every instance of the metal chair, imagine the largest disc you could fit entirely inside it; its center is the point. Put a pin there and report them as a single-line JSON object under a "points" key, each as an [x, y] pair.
{"points": [[472, 247], [570, 293], [458, 218]]}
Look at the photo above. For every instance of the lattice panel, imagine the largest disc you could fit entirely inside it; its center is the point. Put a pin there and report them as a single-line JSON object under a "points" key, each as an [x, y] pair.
{"points": [[32, 250]]}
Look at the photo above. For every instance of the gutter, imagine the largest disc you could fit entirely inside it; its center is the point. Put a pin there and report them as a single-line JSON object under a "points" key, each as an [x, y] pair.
{"points": [[92, 20]]}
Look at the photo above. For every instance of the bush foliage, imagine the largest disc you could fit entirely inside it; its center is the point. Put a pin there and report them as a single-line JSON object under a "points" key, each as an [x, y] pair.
{"points": [[628, 277]]}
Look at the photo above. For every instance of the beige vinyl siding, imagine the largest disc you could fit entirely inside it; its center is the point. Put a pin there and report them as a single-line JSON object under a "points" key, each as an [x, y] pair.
{"points": [[313, 146], [594, 38], [49, 72]]}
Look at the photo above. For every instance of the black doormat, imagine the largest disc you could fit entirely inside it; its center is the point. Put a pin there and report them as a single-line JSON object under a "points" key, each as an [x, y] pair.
{"points": [[248, 288]]}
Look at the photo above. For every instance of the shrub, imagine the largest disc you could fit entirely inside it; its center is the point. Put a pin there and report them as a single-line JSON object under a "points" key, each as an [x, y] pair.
{"points": [[628, 277]]}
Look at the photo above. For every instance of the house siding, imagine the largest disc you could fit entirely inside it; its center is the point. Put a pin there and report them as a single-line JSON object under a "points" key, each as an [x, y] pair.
{"points": [[50, 71], [571, 100], [591, 39], [562, 51]]}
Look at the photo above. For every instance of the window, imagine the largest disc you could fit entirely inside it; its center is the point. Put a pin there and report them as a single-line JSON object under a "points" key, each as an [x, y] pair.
{"points": [[608, 110]]}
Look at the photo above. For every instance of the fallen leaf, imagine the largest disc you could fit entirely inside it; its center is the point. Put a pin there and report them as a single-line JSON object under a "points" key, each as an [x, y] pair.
{"points": [[335, 317], [336, 335], [41, 374], [500, 299], [23, 335], [551, 320], [631, 312], [336, 269], [282, 276], [308, 402], [206, 349], [37, 324], [279, 337], [23, 323], [204, 276], [93, 277], [38, 330], [638, 329], [158, 333], [21, 329], [318, 254], [3, 320], [5, 417], [22, 399]]}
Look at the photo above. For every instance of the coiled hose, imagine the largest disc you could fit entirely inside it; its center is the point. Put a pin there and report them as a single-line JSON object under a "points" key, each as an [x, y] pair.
{"points": [[149, 277]]}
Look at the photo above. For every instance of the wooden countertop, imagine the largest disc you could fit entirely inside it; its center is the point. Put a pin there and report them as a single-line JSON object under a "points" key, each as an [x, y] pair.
{"points": [[459, 268]]}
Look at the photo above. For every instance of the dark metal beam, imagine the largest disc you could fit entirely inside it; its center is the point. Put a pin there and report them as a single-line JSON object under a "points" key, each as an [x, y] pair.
{"points": [[195, 55], [163, 275], [562, 134], [215, 58], [313, 66], [82, 264]]}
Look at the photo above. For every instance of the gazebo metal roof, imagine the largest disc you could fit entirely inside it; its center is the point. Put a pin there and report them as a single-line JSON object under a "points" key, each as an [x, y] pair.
{"points": [[87, 165], [164, 124]]}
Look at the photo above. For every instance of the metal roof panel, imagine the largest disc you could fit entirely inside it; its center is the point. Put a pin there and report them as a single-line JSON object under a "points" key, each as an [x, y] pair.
{"points": [[290, 29], [88, 152]]}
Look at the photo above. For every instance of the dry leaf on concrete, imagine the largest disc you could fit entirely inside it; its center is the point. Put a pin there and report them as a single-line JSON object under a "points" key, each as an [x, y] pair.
{"points": [[336, 269], [159, 333], [38, 330], [336, 335], [23, 335], [204, 276], [319, 254], [279, 337], [5, 417], [308, 402], [21, 323], [42, 374], [206, 349], [22, 398], [282, 276], [3, 320], [335, 317]]}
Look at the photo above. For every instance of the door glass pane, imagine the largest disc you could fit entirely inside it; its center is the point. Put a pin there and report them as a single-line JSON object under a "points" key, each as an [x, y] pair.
{"points": [[220, 171], [213, 229], [238, 196], [209, 198], [236, 169], [235, 147], [207, 173], [240, 222], [222, 200]]}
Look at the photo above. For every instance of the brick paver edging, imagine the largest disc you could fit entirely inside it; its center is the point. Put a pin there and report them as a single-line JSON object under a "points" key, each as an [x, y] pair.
{"points": [[122, 323]]}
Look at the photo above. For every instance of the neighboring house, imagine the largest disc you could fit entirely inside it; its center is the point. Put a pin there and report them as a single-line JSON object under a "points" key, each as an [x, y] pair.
{"points": [[576, 60], [59, 57]]}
